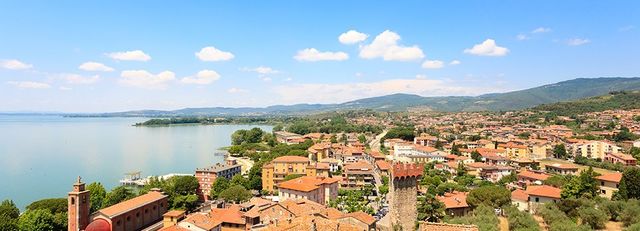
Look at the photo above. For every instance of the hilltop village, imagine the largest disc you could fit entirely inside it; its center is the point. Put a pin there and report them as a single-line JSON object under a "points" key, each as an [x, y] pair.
{"points": [[521, 170]]}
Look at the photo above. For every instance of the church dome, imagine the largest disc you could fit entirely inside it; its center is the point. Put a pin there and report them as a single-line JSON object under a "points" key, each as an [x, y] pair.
{"points": [[99, 225]]}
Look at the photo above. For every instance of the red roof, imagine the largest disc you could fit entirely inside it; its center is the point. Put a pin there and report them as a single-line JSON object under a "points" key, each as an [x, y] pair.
{"points": [[98, 225], [611, 177], [306, 183], [131, 204], [533, 175], [361, 216], [454, 200], [291, 159], [519, 194], [544, 191], [383, 165]]}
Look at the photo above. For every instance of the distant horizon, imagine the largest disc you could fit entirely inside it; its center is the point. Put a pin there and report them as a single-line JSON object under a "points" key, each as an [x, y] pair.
{"points": [[111, 57]]}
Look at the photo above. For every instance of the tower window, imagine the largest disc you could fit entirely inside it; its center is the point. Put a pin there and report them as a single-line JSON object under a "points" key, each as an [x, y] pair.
{"points": [[73, 201]]}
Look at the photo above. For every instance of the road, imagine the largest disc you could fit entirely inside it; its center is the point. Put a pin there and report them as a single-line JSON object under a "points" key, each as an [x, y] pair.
{"points": [[375, 143]]}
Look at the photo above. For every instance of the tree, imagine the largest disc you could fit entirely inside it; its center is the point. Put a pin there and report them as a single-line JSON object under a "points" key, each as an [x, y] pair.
{"points": [[238, 180], [277, 128], [430, 209], [117, 195], [630, 184], [184, 185], [585, 185], [630, 213], [236, 194], [362, 138], [635, 152], [219, 185], [492, 196], [559, 151], [53, 205], [334, 139], [593, 217], [475, 155], [185, 202], [242, 136], [624, 135], [8, 224], [519, 220], [557, 180], [9, 209], [97, 195], [38, 220]]}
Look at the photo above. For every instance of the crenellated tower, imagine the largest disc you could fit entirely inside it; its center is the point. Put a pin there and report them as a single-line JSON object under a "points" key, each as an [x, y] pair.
{"points": [[404, 192]]}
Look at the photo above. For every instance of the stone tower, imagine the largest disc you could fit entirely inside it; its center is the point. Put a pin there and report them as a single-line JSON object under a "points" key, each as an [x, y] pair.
{"points": [[404, 192], [78, 207]]}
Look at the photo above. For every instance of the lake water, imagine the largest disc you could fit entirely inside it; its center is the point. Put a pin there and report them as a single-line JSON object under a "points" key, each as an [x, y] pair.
{"points": [[42, 156]]}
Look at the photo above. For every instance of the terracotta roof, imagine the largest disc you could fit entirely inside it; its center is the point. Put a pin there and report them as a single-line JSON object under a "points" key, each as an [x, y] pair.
{"points": [[204, 221], [291, 159], [519, 194], [562, 166], [362, 216], [611, 177], [174, 213], [533, 175], [133, 203], [428, 226], [306, 183], [383, 165], [333, 214], [454, 200], [228, 215], [359, 166], [98, 225], [309, 222], [543, 191], [622, 156], [172, 228]]}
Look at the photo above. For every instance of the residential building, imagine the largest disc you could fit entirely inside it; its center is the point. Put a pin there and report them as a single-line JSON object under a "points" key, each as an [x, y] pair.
{"points": [[317, 189], [359, 219], [562, 169], [455, 203], [357, 175], [526, 178], [541, 194], [609, 183], [288, 137], [494, 173], [624, 159], [520, 199], [594, 149], [207, 176], [275, 171]]}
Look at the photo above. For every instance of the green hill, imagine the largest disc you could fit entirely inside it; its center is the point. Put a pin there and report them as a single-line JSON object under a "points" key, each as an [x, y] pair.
{"points": [[615, 100]]}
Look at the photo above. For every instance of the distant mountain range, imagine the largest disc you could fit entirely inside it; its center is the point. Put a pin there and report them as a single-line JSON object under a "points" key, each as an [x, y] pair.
{"points": [[616, 100], [551, 93]]}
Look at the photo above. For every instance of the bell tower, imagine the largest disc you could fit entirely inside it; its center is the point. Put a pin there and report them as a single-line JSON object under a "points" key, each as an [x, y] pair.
{"points": [[78, 207]]}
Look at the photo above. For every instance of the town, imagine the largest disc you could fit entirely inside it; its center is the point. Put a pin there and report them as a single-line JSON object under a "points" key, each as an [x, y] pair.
{"points": [[366, 170]]}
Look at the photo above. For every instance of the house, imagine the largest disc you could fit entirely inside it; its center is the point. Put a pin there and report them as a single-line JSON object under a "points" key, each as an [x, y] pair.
{"points": [[624, 159], [319, 151], [562, 169], [357, 175], [207, 176], [317, 189], [231, 218], [455, 203], [540, 194], [359, 219], [520, 199], [172, 217], [515, 150], [495, 160], [334, 164], [595, 149], [275, 171], [495, 173], [609, 183], [383, 167], [526, 178], [288, 137], [197, 221]]}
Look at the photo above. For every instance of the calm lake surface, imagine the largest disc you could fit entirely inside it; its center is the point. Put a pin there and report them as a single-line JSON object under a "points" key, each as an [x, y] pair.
{"points": [[41, 156]]}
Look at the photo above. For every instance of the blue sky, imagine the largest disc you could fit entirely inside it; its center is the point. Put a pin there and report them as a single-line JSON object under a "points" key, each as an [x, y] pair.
{"points": [[96, 56]]}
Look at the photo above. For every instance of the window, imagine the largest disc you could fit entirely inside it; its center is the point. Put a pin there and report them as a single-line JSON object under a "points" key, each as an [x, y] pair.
{"points": [[137, 214], [128, 218], [73, 201], [601, 183], [146, 210], [537, 199]]}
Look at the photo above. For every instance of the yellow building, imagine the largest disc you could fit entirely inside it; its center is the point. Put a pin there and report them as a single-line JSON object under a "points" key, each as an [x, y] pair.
{"points": [[609, 184], [515, 151], [275, 171], [593, 149]]}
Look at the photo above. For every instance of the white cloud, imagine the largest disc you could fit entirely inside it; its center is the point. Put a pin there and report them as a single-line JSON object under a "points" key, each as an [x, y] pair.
{"points": [[385, 46], [212, 54], [202, 77], [95, 66], [420, 76], [14, 64], [266, 79], [577, 41], [454, 62], [487, 48], [522, 37], [30, 84], [79, 79], [261, 70], [541, 30], [65, 88], [342, 92], [288, 79], [144, 79], [432, 64], [234, 90], [313, 55], [352, 37], [135, 55]]}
